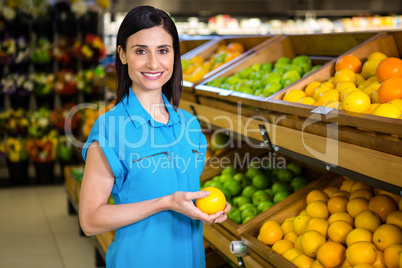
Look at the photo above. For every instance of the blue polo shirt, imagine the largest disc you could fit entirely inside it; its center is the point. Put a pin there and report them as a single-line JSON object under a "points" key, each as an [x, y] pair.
{"points": [[150, 159]]}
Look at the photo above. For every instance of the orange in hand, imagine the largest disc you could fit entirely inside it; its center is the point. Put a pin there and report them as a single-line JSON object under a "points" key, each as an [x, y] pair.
{"points": [[389, 67], [213, 203], [349, 62]]}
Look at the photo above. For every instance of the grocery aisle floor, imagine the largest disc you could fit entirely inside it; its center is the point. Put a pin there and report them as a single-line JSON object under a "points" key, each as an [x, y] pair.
{"points": [[37, 231]]}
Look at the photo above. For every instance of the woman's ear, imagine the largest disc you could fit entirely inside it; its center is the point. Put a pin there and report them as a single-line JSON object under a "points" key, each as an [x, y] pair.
{"points": [[122, 55]]}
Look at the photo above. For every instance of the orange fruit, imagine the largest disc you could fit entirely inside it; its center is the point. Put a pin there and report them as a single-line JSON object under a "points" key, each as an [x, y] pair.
{"points": [[213, 203], [346, 185], [395, 217], [379, 261], [297, 242], [338, 230], [235, 47], [391, 255], [396, 197], [197, 60], [316, 264], [350, 62], [340, 216], [359, 234], [291, 236], [287, 225], [231, 56], [390, 89], [382, 205], [292, 253], [329, 191], [329, 84], [331, 254], [342, 194], [317, 224], [316, 195], [307, 100], [361, 193], [310, 242], [337, 204], [294, 95], [386, 235], [361, 252], [389, 67], [300, 222], [387, 110], [303, 260], [357, 205], [309, 90], [344, 75], [369, 68], [377, 55], [271, 232], [345, 264], [368, 219], [360, 185], [356, 101], [281, 246], [317, 209]]}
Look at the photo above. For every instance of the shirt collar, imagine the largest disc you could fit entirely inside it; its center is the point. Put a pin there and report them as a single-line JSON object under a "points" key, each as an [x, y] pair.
{"points": [[139, 116]]}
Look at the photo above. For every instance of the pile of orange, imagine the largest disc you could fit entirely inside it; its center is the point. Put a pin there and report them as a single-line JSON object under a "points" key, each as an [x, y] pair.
{"points": [[197, 67], [373, 87], [350, 225]]}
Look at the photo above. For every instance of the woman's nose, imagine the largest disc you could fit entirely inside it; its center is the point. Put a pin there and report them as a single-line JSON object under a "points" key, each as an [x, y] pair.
{"points": [[153, 61]]}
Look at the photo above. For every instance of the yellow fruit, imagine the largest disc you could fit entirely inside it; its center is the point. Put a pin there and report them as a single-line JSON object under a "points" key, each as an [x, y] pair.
{"points": [[329, 191], [395, 217], [331, 254], [391, 255], [379, 260], [307, 100], [197, 60], [396, 198], [294, 95], [372, 79], [299, 223], [386, 235], [338, 230], [397, 103], [347, 185], [360, 185], [359, 79], [292, 253], [281, 246], [340, 216], [387, 110], [361, 193], [329, 95], [344, 84], [329, 84], [377, 56], [331, 104], [319, 90], [303, 261], [356, 101], [382, 205], [345, 75], [369, 68], [317, 224], [400, 261], [346, 91], [316, 264], [291, 236], [357, 205], [363, 265], [345, 264], [311, 241], [371, 88], [297, 242], [316, 195], [337, 204], [375, 98], [359, 234], [342, 194], [213, 203], [361, 252], [287, 226], [368, 219], [271, 232], [309, 90], [372, 107], [317, 209]]}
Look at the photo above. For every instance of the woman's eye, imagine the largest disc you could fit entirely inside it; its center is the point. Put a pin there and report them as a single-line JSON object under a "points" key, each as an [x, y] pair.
{"points": [[163, 51], [140, 52]]}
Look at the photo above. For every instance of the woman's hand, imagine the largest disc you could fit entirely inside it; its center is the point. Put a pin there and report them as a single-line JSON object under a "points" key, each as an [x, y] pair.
{"points": [[182, 202]]}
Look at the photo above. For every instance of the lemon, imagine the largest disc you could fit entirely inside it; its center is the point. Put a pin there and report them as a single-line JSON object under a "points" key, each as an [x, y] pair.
{"points": [[307, 100], [311, 241], [358, 234], [387, 110], [356, 101], [329, 95], [377, 56], [344, 84], [319, 90], [213, 203], [294, 95], [346, 91], [309, 90], [369, 68], [397, 103], [345, 75]]}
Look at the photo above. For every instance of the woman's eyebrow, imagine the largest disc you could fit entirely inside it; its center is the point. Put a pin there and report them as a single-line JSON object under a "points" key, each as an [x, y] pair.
{"points": [[145, 46]]}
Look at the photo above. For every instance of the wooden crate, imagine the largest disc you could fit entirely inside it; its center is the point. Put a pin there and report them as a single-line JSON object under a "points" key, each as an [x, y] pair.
{"points": [[72, 185], [290, 210], [191, 45], [105, 239], [321, 48]]}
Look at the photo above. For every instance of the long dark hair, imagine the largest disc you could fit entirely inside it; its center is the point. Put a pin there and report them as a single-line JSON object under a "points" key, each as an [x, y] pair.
{"points": [[137, 19]]}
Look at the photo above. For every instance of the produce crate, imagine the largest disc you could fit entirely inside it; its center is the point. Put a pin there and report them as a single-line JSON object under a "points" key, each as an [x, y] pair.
{"points": [[289, 210], [72, 185], [370, 131], [193, 44], [320, 48]]}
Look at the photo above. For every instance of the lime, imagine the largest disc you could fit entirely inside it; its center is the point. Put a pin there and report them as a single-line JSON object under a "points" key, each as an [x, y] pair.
{"points": [[245, 72], [295, 168], [267, 67]]}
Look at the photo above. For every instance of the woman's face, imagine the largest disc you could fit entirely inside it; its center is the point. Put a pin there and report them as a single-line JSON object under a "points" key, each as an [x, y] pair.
{"points": [[150, 58]]}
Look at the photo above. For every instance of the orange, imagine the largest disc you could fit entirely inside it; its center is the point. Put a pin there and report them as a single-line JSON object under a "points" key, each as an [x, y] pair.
{"points": [[379, 261], [232, 56], [387, 110], [397, 103], [386, 235], [359, 234], [350, 62], [340, 216], [368, 219], [281, 246], [287, 225], [337, 204], [292, 253], [377, 55], [356, 101], [395, 217], [361, 193], [213, 203], [391, 255], [338, 230], [382, 205], [396, 197], [311, 241], [197, 60], [356, 205], [309, 90], [271, 232], [291, 236], [346, 185], [345, 264], [317, 224], [300, 222], [221, 48], [329, 95], [303, 260], [346, 91], [361, 252], [294, 95], [369, 68], [307, 100], [389, 67], [317, 209], [297, 242], [345, 84], [316, 264], [330, 190], [331, 254], [344, 75], [341, 193], [390, 89], [235, 47], [316, 195]]}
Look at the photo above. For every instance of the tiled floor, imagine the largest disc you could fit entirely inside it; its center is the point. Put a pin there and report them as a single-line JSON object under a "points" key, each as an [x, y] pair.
{"points": [[37, 231]]}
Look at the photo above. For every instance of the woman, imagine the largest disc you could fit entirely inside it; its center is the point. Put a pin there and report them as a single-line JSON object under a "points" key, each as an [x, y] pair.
{"points": [[148, 153]]}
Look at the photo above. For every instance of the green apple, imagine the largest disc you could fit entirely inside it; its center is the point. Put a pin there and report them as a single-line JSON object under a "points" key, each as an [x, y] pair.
{"points": [[219, 141], [244, 88], [279, 196], [280, 67], [207, 184], [216, 178], [264, 196], [233, 186], [284, 175], [230, 170], [238, 201], [245, 206], [269, 192], [315, 67], [284, 60], [301, 59], [298, 183], [236, 216], [250, 211], [216, 184], [252, 172], [305, 67], [264, 205], [297, 68], [256, 66], [267, 67], [271, 78], [215, 82], [248, 191], [226, 192], [260, 181], [287, 82], [257, 84], [257, 75], [292, 74], [224, 178], [232, 80], [258, 92], [280, 186], [272, 88], [248, 218], [249, 91], [240, 177], [295, 168], [245, 72]]}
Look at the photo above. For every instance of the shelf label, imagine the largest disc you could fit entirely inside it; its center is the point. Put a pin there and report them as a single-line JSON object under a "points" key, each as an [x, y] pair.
{"points": [[322, 110]]}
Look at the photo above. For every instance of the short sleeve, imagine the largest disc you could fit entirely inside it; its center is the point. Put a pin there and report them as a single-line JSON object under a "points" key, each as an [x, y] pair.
{"points": [[99, 133]]}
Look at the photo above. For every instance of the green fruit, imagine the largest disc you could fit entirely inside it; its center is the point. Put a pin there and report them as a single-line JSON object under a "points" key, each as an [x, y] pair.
{"points": [[287, 82], [216, 184], [233, 186], [239, 201], [248, 218], [269, 192], [272, 88], [298, 183], [267, 67], [252, 172], [216, 178], [257, 84], [256, 66], [295, 68], [236, 216], [244, 206], [185, 63], [219, 141], [285, 175], [271, 78], [229, 170], [261, 182], [232, 80], [251, 211], [224, 178], [301, 59], [295, 168], [220, 58], [240, 177], [279, 196], [245, 72], [248, 191], [283, 60], [264, 196], [292, 74], [226, 192], [214, 83], [207, 184], [264, 205], [280, 186], [257, 75]]}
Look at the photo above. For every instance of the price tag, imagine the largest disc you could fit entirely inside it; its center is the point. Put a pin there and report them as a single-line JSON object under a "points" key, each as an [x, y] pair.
{"points": [[225, 92], [322, 110]]}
